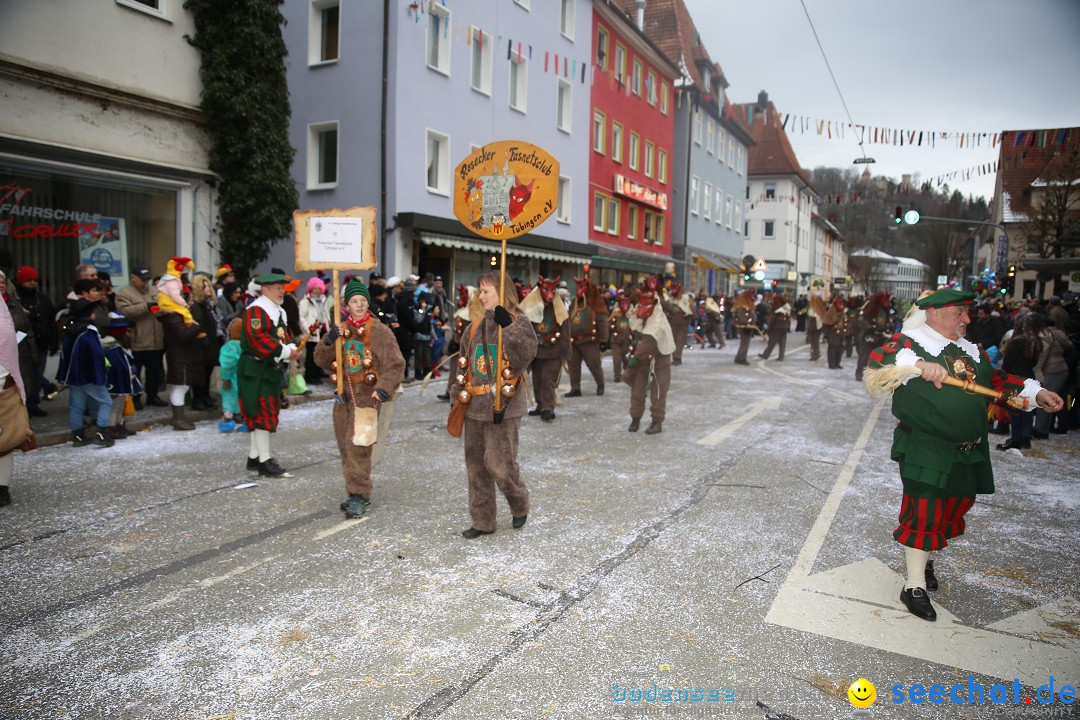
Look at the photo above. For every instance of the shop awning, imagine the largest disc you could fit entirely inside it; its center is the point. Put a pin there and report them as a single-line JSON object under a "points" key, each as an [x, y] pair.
{"points": [[611, 255], [492, 248], [712, 261]]}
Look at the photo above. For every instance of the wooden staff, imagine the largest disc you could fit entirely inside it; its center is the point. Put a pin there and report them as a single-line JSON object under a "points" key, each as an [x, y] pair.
{"points": [[497, 409], [339, 344], [886, 379]]}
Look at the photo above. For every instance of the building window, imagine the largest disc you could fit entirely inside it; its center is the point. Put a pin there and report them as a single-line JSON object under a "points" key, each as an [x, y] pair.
{"points": [[697, 127], [566, 18], [523, 3], [731, 151], [769, 229], [727, 212], [620, 63], [636, 78], [709, 139], [720, 153], [565, 105], [650, 88], [438, 38], [519, 82], [738, 217], [742, 164], [563, 213], [650, 150], [602, 48], [483, 51], [654, 228], [150, 7], [324, 32], [631, 222], [708, 201], [746, 228], [694, 189], [616, 141], [664, 98], [661, 166], [635, 148], [599, 208], [770, 191], [322, 156], [612, 216], [598, 121], [718, 200], [438, 163]]}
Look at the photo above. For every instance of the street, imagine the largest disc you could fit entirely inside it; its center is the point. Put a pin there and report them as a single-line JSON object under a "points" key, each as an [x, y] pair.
{"points": [[746, 548]]}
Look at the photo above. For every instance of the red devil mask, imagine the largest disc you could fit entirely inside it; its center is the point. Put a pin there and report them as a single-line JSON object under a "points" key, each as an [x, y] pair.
{"points": [[462, 295], [651, 282], [582, 286], [676, 289], [646, 304], [548, 287], [624, 302]]}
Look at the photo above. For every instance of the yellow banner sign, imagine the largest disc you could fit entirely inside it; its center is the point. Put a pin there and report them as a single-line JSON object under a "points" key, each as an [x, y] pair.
{"points": [[505, 189]]}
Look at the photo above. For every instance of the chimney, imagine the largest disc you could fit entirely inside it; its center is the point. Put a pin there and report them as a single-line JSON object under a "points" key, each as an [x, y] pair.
{"points": [[762, 101], [641, 15]]}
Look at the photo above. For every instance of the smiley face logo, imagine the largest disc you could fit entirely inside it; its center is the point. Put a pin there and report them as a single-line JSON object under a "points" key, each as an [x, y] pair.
{"points": [[862, 693]]}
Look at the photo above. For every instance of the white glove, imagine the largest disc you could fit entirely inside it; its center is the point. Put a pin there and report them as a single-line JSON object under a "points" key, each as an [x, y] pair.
{"points": [[287, 351]]}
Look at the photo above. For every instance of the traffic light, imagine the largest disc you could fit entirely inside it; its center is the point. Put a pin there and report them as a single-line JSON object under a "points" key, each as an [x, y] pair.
{"points": [[1010, 281], [898, 217], [775, 284]]}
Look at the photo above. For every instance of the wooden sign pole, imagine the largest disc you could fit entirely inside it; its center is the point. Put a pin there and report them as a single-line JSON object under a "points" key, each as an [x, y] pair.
{"points": [[498, 411], [339, 344]]}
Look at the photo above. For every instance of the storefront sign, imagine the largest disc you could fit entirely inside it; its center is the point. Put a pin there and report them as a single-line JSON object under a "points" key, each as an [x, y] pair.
{"points": [[104, 245], [505, 189], [629, 188], [335, 239]]}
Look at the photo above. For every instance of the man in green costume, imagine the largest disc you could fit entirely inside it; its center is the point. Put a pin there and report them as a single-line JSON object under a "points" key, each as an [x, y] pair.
{"points": [[941, 442]]}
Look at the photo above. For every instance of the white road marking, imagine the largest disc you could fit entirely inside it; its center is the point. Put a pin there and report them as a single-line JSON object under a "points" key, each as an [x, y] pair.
{"points": [[845, 395], [855, 603], [338, 528], [717, 436]]}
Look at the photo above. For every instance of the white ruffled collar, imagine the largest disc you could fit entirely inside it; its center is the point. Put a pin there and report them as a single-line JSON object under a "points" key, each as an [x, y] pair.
{"points": [[934, 342], [271, 308]]}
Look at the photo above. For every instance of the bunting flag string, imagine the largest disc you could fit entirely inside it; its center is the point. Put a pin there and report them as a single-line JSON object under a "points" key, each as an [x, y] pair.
{"points": [[893, 189]]}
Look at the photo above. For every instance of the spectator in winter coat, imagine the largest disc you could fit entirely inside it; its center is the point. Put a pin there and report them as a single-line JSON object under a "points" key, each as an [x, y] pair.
{"points": [[82, 363], [28, 348], [134, 301], [41, 312], [314, 318]]}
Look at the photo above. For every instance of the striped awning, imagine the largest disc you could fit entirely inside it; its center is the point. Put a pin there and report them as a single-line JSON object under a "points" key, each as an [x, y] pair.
{"points": [[492, 248]]}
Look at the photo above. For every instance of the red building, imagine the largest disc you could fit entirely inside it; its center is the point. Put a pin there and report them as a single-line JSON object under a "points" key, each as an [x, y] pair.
{"points": [[631, 140]]}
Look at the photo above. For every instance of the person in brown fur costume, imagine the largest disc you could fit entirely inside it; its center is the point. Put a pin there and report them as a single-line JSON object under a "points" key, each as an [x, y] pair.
{"points": [[679, 311], [779, 326], [551, 323], [374, 368], [491, 444], [588, 334], [619, 332], [836, 331], [649, 370], [468, 309], [815, 318], [744, 307]]}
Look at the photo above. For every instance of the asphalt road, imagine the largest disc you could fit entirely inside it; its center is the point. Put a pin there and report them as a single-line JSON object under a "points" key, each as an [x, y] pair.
{"points": [[745, 552]]}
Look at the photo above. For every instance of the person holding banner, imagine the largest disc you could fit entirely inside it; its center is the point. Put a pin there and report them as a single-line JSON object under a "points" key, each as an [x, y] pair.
{"points": [[491, 443], [374, 368]]}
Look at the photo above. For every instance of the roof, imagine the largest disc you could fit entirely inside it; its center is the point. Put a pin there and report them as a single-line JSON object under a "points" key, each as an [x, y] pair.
{"points": [[1030, 158], [772, 153], [910, 261], [669, 25], [875, 254]]}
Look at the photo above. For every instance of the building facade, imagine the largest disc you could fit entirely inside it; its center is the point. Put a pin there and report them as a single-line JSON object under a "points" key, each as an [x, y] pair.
{"points": [[103, 156], [457, 76]]}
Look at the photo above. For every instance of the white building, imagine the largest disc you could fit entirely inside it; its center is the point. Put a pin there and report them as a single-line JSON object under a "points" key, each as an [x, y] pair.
{"points": [[874, 270], [103, 157]]}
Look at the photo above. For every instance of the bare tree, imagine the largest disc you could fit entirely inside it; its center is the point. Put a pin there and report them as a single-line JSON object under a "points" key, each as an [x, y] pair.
{"points": [[1054, 198]]}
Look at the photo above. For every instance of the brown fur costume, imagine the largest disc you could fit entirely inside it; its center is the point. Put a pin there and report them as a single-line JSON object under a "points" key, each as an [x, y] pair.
{"points": [[652, 351], [490, 449], [744, 306], [390, 365], [779, 325], [588, 329], [678, 309], [619, 332], [815, 318], [552, 331]]}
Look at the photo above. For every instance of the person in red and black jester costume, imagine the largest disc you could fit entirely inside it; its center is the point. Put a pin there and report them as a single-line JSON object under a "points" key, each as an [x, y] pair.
{"points": [[743, 308], [588, 334], [550, 320], [649, 371]]}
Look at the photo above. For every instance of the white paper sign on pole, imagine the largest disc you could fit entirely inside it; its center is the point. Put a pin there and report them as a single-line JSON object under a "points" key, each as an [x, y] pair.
{"points": [[336, 239]]}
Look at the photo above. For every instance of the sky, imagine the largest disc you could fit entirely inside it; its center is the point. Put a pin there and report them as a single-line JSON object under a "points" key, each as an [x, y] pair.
{"points": [[947, 65]]}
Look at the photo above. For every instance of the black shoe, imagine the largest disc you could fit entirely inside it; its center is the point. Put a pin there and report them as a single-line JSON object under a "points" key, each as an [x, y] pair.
{"points": [[1017, 444], [573, 393], [931, 578], [253, 464], [155, 401], [36, 412], [103, 440], [5, 499], [1039, 435], [78, 438], [284, 403], [763, 356], [472, 533], [519, 522], [918, 603], [355, 506], [1059, 431], [445, 396], [635, 425], [653, 428], [1000, 429], [535, 411], [547, 415], [741, 362], [270, 468], [599, 389]]}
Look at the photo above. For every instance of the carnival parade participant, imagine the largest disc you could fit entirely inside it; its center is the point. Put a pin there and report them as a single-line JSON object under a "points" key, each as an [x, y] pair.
{"points": [[871, 329], [649, 370], [588, 334], [619, 333], [941, 440], [779, 326], [678, 308], [266, 348], [491, 443], [836, 330], [815, 317], [743, 308], [550, 319], [374, 369]]}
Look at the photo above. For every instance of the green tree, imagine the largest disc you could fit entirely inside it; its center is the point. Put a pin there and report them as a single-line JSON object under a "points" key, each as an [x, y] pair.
{"points": [[245, 100]]}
